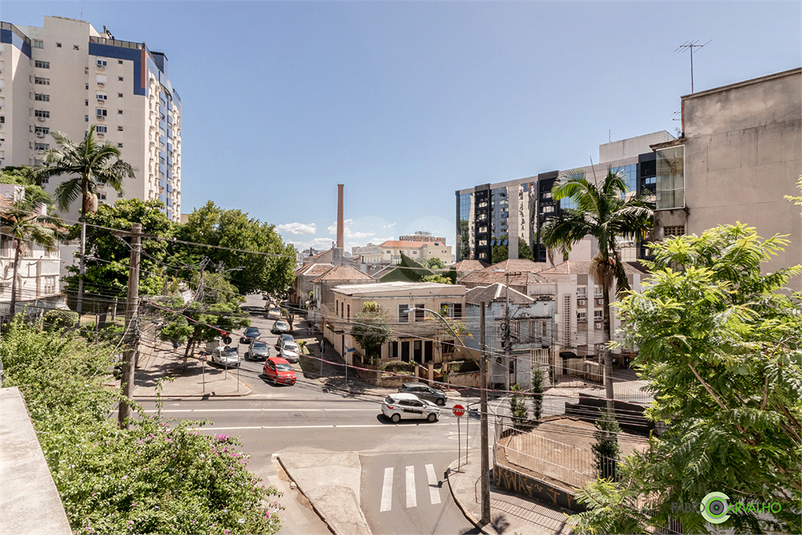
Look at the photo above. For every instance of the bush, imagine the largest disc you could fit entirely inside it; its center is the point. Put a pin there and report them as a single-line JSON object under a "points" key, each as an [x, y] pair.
{"points": [[60, 319], [149, 479], [606, 449], [518, 407], [537, 391]]}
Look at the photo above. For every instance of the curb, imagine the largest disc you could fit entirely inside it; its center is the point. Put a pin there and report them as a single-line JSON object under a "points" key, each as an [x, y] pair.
{"points": [[300, 491], [462, 508]]}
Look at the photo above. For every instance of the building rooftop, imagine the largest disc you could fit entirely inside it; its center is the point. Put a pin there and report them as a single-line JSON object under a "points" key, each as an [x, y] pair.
{"points": [[518, 264], [313, 269], [406, 243], [343, 273], [487, 276], [496, 292], [465, 266], [582, 267], [412, 288]]}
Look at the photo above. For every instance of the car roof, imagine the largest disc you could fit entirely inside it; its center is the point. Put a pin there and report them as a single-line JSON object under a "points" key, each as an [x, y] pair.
{"points": [[252, 329], [409, 385], [278, 360], [404, 395]]}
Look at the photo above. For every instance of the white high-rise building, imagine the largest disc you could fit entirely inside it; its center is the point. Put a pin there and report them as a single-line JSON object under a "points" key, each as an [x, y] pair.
{"points": [[66, 77]]}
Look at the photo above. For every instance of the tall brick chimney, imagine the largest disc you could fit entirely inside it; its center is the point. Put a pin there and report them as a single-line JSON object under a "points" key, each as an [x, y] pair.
{"points": [[340, 219]]}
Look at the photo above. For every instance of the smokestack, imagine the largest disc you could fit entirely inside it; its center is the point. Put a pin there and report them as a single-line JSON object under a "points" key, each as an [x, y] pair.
{"points": [[340, 220]]}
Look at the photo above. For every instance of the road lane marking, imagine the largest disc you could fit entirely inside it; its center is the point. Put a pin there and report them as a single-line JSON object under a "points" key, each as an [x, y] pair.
{"points": [[434, 492], [412, 500], [387, 491], [261, 410], [290, 505], [328, 426]]}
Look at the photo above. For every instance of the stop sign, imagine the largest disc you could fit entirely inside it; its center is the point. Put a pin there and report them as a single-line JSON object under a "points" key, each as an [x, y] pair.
{"points": [[459, 410]]}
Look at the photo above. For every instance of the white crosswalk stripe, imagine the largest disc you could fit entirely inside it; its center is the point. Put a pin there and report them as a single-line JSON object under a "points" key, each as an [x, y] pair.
{"points": [[387, 491], [412, 500], [410, 492], [434, 490]]}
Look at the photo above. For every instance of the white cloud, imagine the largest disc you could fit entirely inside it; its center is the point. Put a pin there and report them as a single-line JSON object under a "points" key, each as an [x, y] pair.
{"points": [[388, 225], [347, 229], [298, 228]]}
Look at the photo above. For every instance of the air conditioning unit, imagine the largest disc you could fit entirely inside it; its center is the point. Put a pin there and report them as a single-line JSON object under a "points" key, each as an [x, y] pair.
{"points": [[581, 302], [40, 134], [599, 301], [41, 119], [599, 325]]}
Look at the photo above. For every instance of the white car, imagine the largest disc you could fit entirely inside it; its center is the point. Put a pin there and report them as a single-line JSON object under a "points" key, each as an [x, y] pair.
{"points": [[288, 350], [226, 356], [409, 406]]}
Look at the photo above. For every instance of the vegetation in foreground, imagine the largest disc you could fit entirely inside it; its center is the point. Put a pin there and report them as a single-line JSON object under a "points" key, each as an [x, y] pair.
{"points": [[158, 477]]}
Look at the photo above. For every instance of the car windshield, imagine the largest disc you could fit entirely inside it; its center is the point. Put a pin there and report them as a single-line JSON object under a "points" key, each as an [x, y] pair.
{"points": [[291, 346], [230, 351], [251, 330], [284, 367], [287, 338], [259, 345]]}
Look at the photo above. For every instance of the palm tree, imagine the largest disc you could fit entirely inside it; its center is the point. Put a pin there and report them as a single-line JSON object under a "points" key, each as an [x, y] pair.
{"points": [[603, 212], [24, 225], [89, 164]]}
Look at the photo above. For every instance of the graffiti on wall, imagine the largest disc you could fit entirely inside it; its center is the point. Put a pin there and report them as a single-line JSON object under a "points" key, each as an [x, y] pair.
{"points": [[524, 484]]}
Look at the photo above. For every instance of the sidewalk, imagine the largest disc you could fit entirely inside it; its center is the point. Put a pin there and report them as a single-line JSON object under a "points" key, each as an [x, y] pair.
{"points": [[158, 360], [509, 512]]}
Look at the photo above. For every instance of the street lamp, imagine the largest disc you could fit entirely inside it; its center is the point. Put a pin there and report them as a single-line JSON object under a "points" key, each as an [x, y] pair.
{"points": [[484, 439]]}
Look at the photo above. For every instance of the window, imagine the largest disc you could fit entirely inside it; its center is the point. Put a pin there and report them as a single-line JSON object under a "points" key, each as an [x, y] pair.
{"points": [[348, 312], [58, 45], [336, 307], [41, 81], [119, 112], [581, 317], [673, 231], [38, 44], [101, 96], [119, 78], [86, 102], [597, 292], [420, 314], [41, 146], [86, 86], [119, 95], [342, 309], [41, 97], [119, 128], [44, 130], [580, 292], [42, 114], [451, 310], [101, 129], [670, 188], [86, 70], [101, 63], [101, 196], [76, 47], [403, 316], [597, 315], [41, 64], [86, 118], [119, 145], [119, 62], [548, 209]]}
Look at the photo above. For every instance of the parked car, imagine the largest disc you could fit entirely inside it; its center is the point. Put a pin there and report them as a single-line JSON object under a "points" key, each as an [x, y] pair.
{"points": [[258, 350], [272, 312], [408, 406], [424, 391], [280, 327], [288, 350], [279, 371], [285, 338], [226, 356], [251, 333]]}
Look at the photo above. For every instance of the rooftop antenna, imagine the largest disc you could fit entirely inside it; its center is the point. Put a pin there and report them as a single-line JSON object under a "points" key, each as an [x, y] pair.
{"points": [[690, 45]]}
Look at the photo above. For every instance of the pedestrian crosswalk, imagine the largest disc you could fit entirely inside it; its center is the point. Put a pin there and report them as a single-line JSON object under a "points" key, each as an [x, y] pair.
{"points": [[410, 490]]}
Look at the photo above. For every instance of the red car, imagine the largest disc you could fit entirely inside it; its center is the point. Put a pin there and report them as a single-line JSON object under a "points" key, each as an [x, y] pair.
{"points": [[279, 371]]}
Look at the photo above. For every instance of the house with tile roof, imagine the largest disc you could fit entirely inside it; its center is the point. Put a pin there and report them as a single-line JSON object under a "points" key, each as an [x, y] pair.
{"points": [[322, 303], [420, 251]]}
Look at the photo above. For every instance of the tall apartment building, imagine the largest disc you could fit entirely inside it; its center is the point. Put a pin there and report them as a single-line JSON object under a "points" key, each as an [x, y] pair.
{"points": [[512, 213], [66, 77]]}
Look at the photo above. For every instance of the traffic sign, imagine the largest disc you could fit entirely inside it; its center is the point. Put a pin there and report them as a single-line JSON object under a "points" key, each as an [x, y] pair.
{"points": [[351, 349], [459, 410]]}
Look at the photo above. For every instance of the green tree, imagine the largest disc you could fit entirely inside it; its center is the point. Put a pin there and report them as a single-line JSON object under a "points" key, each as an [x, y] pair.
{"points": [[215, 312], [437, 278], [434, 263], [721, 346], [524, 251], [498, 252], [23, 225], [270, 272], [157, 477], [108, 255], [518, 407], [538, 387], [26, 176], [370, 329], [88, 164], [603, 213], [606, 450]]}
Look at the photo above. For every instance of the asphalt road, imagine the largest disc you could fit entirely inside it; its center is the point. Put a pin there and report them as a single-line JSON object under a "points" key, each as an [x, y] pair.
{"points": [[403, 489]]}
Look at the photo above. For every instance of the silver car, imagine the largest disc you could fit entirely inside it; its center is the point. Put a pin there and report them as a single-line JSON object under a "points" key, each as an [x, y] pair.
{"points": [[258, 350], [226, 356], [409, 406], [288, 350]]}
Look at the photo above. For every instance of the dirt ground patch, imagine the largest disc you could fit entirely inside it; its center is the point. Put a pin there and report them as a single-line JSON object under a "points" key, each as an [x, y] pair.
{"points": [[558, 451]]}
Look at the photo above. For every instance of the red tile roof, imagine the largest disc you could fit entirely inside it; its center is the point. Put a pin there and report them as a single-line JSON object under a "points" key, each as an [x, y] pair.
{"points": [[582, 267], [518, 264], [405, 243], [465, 266], [343, 273]]}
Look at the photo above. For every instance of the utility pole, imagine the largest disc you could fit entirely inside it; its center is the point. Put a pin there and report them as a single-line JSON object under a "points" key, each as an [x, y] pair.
{"points": [[81, 263], [507, 380], [131, 310], [485, 465]]}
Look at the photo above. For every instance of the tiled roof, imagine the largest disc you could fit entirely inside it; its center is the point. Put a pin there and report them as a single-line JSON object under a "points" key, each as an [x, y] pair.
{"points": [[343, 273], [487, 277], [582, 267], [5, 203], [518, 264], [421, 288], [314, 269], [496, 292], [465, 266]]}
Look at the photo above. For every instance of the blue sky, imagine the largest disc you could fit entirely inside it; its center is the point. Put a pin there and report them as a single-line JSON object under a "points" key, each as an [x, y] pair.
{"points": [[407, 102]]}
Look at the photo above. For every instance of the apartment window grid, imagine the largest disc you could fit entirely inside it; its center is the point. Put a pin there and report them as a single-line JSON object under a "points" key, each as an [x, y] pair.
{"points": [[42, 114], [581, 292], [567, 321], [43, 130], [41, 64], [403, 316], [36, 43], [581, 317], [336, 306], [41, 146], [630, 175], [420, 314], [598, 315], [673, 231], [101, 129], [597, 292], [41, 97], [41, 81]]}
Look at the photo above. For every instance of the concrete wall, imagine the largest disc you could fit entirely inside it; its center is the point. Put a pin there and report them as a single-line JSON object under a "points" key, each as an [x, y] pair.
{"points": [[743, 153], [29, 500]]}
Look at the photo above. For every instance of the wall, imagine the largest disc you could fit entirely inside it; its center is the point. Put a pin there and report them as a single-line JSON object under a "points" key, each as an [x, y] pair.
{"points": [[743, 153]]}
